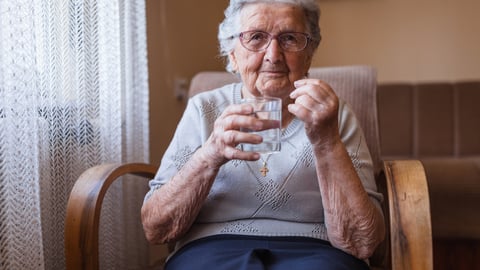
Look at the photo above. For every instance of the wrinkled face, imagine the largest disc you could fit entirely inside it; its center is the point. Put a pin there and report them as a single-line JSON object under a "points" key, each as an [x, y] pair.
{"points": [[271, 72]]}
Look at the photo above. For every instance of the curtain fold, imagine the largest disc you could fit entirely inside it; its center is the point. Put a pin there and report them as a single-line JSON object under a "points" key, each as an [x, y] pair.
{"points": [[73, 94]]}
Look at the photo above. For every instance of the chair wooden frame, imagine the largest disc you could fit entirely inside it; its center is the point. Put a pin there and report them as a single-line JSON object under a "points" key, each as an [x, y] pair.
{"points": [[83, 210], [406, 194]]}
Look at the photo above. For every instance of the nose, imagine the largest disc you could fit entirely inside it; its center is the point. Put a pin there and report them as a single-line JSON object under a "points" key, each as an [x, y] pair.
{"points": [[273, 53]]}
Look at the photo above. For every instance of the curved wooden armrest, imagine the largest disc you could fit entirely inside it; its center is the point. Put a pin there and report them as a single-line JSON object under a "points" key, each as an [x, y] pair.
{"points": [[83, 210], [409, 208]]}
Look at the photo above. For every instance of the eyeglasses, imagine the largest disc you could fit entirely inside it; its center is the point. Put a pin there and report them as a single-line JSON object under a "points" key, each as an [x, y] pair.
{"points": [[259, 40]]}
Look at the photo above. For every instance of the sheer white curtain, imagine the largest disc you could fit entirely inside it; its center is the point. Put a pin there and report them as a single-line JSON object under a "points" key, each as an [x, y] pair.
{"points": [[73, 93]]}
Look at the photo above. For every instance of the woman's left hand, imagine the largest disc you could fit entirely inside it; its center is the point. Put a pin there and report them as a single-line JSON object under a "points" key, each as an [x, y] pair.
{"points": [[316, 104]]}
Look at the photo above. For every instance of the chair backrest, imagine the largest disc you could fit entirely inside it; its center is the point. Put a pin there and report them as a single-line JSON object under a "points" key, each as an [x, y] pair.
{"points": [[354, 84]]}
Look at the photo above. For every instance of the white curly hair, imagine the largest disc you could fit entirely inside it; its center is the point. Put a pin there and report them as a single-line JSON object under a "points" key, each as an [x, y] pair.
{"points": [[230, 26]]}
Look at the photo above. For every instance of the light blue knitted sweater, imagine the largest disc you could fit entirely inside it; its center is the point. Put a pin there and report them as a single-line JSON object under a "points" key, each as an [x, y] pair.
{"points": [[285, 202]]}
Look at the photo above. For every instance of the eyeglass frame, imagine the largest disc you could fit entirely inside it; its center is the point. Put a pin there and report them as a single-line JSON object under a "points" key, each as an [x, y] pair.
{"points": [[271, 37]]}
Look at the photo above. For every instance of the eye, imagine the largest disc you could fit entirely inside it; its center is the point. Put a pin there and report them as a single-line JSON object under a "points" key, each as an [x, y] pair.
{"points": [[256, 36], [289, 38]]}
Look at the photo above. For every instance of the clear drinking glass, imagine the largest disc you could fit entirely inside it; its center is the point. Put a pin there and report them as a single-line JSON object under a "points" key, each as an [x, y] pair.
{"points": [[268, 108]]}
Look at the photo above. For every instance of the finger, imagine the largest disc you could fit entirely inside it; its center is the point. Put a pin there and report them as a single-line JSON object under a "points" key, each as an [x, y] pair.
{"points": [[305, 81], [268, 124], [300, 112], [307, 102], [309, 110], [250, 122], [237, 122], [244, 109], [317, 89], [233, 137], [235, 153], [316, 92], [310, 81]]}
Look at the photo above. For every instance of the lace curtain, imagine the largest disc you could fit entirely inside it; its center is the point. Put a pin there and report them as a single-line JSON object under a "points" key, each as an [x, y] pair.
{"points": [[73, 93]]}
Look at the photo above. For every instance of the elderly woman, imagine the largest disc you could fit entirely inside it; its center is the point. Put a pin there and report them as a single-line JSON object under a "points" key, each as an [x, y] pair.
{"points": [[315, 209]]}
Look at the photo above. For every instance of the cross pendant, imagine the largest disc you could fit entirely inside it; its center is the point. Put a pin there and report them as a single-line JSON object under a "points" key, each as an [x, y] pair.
{"points": [[264, 169]]}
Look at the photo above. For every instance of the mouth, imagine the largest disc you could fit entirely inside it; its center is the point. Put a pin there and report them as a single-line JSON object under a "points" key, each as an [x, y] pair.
{"points": [[274, 72]]}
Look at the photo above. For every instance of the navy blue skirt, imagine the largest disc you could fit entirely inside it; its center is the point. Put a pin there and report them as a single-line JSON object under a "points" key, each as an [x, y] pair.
{"points": [[234, 252]]}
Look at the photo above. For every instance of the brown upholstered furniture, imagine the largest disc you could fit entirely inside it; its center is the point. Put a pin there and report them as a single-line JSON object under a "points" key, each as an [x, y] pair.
{"points": [[403, 183], [439, 124]]}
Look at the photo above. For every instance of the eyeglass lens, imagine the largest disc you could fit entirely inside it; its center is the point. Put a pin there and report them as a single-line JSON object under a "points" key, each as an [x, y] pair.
{"points": [[259, 40]]}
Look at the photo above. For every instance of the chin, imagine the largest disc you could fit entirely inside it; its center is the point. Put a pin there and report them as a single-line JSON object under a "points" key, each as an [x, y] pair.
{"points": [[275, 84], [276, 91]]}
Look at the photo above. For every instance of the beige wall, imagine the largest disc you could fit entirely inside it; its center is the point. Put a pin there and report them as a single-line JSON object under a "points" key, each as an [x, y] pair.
{"points": [[406, 40], [181, 41]]}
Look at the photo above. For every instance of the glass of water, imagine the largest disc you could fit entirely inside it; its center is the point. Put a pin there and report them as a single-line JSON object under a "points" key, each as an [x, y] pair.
{"points": [[266, 108]]}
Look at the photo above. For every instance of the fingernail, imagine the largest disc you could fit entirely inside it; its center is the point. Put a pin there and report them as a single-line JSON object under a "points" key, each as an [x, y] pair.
{"points": [[291, 107]]}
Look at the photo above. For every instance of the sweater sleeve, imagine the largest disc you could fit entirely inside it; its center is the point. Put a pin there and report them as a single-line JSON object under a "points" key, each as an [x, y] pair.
{"points": [[193, 130], [186, 140]]}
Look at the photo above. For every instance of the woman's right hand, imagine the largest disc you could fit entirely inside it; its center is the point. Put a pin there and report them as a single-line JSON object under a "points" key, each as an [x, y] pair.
{"points": [[222, 144]]}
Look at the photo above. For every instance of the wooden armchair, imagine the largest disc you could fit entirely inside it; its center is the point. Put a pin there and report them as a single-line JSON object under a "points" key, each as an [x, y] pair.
{"points": [[408, 244]]}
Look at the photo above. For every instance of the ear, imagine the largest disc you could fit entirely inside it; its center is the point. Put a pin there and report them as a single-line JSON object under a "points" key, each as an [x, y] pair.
{"points": [[233, 61]]}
